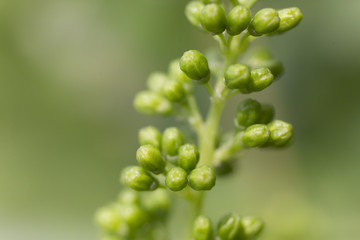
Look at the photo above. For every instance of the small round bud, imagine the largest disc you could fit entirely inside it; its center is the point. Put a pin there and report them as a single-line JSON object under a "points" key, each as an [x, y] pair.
{"points": [[265, 21], [195, 65], [156, 81], [108, 219], [213, 18], [237, 76], [128, 197], [150, 136], [133, 215], [260, 79], [175, 72], [157, 203], [202, 178], [280, 133], [172, 140], [289, 18], [248, 113], [174, 91], [256, 135], [176, 179], [230, 227], [188, 157], [253, 226], [192, 12], [275, 66], [203, 229], [139, 179], [147, 102], [238, 20], [267, 113], [150, 158]]}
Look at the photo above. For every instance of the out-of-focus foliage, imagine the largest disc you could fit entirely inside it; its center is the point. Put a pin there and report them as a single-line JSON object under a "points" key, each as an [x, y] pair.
{"points": [[69, 70]]}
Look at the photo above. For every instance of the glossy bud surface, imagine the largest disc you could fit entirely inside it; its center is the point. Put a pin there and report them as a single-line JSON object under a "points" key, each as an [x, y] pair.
{"points": [[256, 135], [195, 65], [188, 157], [280, 133], [202, 178], [213, 18], [203, 229], [265, 21], [176, 179], [289, 18], [230, 228], [150, 158], [237, 76], [238, 20], [172, 140], [260, 79], [139, 179]]}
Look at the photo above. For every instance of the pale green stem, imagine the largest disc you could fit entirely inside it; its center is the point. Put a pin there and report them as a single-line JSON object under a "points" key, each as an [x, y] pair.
{"points": [[209, 88]]}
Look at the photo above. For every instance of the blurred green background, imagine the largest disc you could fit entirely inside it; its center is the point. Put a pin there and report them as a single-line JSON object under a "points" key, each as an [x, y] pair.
{"points": [[69, 70]]}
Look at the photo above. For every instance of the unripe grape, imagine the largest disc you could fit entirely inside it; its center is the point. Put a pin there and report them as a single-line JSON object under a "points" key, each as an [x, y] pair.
{"points": [[248, 113], [176, 179], [174, 91], [237, 76], [172, 140], [150, 158], [213, 18], [147, 102], [256, 135], [150, 136], [260, 79], [202, 178], [253, 226], [139, 179], [238, 20], [188, 157], [156, 81], [203, 229], [265, 21], [289, 18], [230, 227], [195, 65], [280, 133], [192, 12]]}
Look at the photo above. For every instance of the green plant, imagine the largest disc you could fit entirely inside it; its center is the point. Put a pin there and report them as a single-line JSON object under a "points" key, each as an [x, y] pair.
{"points": [[168, 163]]}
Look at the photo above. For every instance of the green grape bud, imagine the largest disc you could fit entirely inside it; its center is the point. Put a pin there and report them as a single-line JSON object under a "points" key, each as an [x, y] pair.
{"points": [[267, 113], [280, 133], [260, 79], [176, 73], [238, 20], [213, 18], [133, 215], [174, 91], [265, 21], [195, 65], [203, 229], [150, 158], [289, 18], [176, 179], [253, 226], [150, 136], [248, 113], [172, 140], [157, 202], [192, 12], [275, 66], [128, 197], [108, 219], [202, 178], [139, 179], [237, 76], [256, 135], [156, 81], [188, 157], [230, 227], [147, 102]]}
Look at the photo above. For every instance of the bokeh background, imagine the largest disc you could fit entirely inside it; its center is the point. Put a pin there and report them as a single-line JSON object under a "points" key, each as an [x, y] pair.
{"points": [[69, 70]]}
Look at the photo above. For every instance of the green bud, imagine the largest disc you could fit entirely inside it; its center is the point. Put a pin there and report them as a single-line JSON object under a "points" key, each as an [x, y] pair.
{"points": [[202, 178], [265, 21], [156, 81], [139, 179], [157, 202], [172, 140], [267, 113], [128, 197], [237, 76], [192, 12], [253, 226], [289, 18], [176, 73], [203, 229], [230, 227], [275, 66], [107, 219], [256, 135], [147, 102], [280, 133], [174, 91], [195, 65], [176, 179], [213, 18], [133, 215], [248, 113], [188, 157], [260, 79], [150, 158], [150, 136], [238, 20]]}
